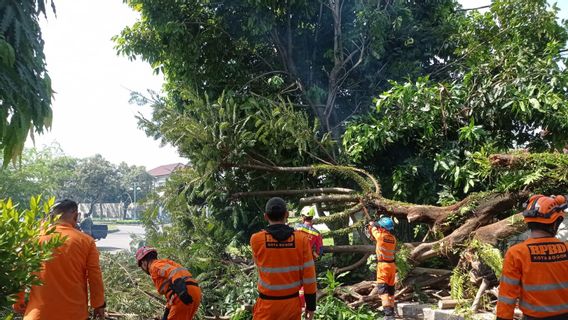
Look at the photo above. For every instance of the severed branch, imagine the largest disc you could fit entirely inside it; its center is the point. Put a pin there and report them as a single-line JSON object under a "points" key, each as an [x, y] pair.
{"points": [[329, 198], [354, 266], [291, 192]]}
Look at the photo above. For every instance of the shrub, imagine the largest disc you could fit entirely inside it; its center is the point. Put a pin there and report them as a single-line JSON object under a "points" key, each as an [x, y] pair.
{"points": [[21, 251]]}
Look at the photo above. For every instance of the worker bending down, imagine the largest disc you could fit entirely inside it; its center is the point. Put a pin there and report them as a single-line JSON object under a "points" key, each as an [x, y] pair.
{"points": [[172, 280]]}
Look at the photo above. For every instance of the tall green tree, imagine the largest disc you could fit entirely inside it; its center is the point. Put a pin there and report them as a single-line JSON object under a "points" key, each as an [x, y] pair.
{"points": [[508, 91], [98, 181], [327, 57], [25, 86], [46, 171]]}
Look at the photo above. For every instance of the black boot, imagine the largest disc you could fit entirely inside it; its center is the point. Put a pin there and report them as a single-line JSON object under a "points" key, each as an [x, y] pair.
{"points": [[389, 313]]}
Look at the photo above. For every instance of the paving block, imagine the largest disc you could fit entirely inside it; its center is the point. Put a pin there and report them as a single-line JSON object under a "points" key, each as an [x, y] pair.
{"points": [[484, 316], [410, 310], [434, 314]]}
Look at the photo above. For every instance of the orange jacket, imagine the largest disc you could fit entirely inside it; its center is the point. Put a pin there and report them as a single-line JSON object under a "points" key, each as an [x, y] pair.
{"points": [[536, 273], [285, 264], [63, 294], [386, 244], [164, 272], [316, 240]]}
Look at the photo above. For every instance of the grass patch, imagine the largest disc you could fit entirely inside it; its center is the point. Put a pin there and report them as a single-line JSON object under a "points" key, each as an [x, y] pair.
{"points": [[112, 228]]}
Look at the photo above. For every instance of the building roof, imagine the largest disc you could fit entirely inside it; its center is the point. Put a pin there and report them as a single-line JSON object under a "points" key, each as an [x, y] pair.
{"points": [[165, 170]]}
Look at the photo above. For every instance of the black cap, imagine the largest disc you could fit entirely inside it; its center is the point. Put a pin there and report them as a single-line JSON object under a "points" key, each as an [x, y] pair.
{"points": [[276, 205]]}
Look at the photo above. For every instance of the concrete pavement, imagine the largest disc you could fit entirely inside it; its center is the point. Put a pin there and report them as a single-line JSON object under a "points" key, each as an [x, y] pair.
{"points": [[120, 240]]}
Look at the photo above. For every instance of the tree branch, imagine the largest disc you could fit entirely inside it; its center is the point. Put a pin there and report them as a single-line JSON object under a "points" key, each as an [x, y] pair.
{"points": [[291, 192], [329, 198]]}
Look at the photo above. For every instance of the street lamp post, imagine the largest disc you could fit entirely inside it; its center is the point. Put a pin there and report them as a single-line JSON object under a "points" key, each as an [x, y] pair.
{"points": [[135, 188]]}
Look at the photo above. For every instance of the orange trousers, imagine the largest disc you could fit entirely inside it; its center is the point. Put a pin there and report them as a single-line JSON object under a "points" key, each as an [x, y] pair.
{"points": [[289, 309], [182, 311], [386, 278]]}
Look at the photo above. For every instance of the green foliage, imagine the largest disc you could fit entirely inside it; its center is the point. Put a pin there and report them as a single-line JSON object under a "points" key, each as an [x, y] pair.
{"points": [[50, 171], [21, 251], [127, 287], [332, 308], [437, 131], [45, 171], [489, 255], [295, 49], [25, 87], [402, 260], [204, 246], [545, 173]]}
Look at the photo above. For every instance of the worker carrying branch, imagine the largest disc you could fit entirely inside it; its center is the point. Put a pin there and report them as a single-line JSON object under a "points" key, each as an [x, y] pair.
{"points": [[535, 271], [386, 267], [285, 263], [172, 280]]}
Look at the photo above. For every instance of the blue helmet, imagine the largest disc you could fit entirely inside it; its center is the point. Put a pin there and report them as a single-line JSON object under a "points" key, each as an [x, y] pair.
{"points": [[387, 223]]}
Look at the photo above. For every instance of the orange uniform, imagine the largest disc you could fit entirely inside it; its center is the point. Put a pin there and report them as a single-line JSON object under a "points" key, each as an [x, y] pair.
{"points": [[285, 264], [164, 272], [386, 268], [536, 273], [63, 294]]}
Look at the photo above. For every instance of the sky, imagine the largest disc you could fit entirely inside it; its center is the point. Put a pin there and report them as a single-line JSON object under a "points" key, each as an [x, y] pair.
{"points": [[91, 112]]}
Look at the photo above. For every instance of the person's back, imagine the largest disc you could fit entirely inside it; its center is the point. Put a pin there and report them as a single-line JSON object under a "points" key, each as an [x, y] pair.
{"points": [[63, 293], [285, 263], [86, 225], [536, 271], [314, 237]]}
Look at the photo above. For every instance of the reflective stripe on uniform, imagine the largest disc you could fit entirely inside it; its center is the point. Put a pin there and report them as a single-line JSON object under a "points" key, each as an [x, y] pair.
{"points": [[545, 287], [164, 287], [165, 269], [287, 269], [387, 250], [507, 300], [280, 286], [308, 280], [387, 257], [555, 308], [176, 270], [511, 281]]}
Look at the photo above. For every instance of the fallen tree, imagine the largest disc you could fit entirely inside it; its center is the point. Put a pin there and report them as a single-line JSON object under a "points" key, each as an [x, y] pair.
{"points": [[488, 218]]}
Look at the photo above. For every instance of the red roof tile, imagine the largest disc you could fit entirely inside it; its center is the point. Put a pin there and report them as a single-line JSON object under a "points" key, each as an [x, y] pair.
{"points": [[165, 169]]}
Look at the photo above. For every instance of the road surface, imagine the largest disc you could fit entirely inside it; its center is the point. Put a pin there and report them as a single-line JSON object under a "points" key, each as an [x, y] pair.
{"points": [[120, 240]]}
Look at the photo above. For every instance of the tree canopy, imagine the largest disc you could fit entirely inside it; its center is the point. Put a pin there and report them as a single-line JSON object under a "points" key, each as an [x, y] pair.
{"points": [[25, 86], [328, 58]]}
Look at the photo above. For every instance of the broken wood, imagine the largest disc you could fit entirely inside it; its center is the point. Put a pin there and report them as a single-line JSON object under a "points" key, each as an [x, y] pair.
{"points": [[447, 304], [484, 285]]}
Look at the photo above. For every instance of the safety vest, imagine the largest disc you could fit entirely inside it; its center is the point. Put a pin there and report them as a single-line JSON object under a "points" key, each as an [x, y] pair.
{"points": [[164, 272], [316, 241], [535, 272], [386, 244], [283, 266]]}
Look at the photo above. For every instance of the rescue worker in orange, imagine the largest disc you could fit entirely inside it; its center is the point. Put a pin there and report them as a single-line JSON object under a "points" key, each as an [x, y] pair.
{"points": [[172, 280], [535, 271], [75, 264], [316, 240], [285, 263], [386, 267]]}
